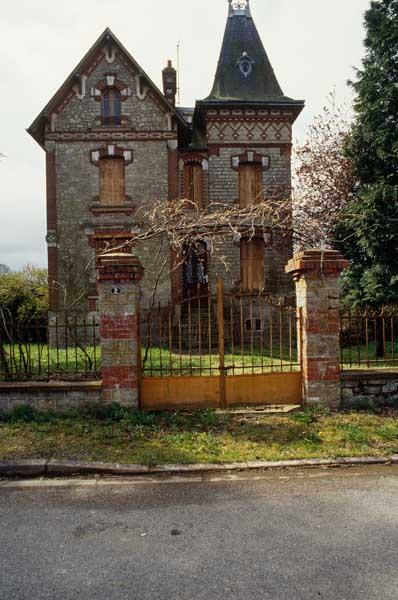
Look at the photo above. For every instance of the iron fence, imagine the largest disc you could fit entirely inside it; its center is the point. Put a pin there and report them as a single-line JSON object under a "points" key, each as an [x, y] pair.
{"points": [[63, 348], [237, 334], [369, 337]]}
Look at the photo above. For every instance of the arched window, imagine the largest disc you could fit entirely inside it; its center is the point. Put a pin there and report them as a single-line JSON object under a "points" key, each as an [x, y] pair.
{"points": [[111, 107]]}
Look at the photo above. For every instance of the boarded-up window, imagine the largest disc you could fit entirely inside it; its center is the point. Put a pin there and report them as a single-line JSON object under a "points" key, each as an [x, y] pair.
{"points": [[112, 181], [252, 264], [193, 184], [250, 184]]}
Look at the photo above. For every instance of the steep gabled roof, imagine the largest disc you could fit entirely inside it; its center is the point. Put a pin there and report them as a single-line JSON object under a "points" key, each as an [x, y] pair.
{"points": [[244, 72], [36, 130]]}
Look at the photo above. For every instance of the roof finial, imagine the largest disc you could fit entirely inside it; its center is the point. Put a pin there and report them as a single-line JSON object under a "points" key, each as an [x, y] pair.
{"points": [[239, 8]]}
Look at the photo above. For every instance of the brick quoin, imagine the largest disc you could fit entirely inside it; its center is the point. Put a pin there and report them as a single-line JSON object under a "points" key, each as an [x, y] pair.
{"points": [[316, 274]]}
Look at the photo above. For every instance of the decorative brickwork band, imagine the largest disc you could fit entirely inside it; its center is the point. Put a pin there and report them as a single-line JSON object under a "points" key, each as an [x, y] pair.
{"points": [[118, 278], [317, 273]]}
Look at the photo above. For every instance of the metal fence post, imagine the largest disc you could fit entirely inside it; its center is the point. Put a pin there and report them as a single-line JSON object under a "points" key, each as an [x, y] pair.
{"points": [[221, 341]]}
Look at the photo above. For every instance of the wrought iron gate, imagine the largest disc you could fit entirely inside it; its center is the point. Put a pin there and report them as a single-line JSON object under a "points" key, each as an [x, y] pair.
{"points": [[221, 350]]}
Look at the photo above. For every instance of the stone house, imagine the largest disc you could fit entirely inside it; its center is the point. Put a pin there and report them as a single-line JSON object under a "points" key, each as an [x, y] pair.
{"points": [[114, 142]]}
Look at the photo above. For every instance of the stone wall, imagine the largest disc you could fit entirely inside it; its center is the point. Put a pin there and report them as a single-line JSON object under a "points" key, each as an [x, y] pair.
{"points": [[57, 396], [378, 386]]}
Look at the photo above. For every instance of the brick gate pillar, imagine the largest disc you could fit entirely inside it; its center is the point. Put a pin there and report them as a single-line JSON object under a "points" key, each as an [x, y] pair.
{"points": [[317, 274], [118, 279]]}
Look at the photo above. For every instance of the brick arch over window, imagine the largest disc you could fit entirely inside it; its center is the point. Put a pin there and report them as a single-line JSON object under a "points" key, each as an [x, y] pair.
{"points": [[111, 93], [111, 81], [111, 150]]}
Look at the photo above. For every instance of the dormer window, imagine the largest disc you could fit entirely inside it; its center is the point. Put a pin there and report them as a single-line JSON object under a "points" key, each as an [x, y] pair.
{"points": [[111, 106], [245, 64]]}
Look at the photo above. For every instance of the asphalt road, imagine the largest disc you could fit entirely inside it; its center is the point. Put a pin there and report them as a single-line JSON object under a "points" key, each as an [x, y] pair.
{"points": [[318, 534]]}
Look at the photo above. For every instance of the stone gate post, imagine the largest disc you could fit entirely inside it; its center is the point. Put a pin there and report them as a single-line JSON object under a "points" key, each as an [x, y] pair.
{"points": [[118, 278], [317, 273]]}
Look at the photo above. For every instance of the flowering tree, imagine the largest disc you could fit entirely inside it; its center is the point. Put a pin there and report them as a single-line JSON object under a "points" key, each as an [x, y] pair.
{"points": [[324, 177]]}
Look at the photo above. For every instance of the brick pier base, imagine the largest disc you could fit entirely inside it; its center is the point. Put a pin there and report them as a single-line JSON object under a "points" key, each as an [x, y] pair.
{"points": [[118, 278], [317, 273]]}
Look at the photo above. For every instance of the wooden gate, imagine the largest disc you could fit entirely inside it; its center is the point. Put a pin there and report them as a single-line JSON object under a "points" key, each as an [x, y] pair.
{"points": [[220, 350]]}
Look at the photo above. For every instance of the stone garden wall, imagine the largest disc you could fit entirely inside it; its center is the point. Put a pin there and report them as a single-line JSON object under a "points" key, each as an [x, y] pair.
{"points": [[378, 387], [57, 396]]}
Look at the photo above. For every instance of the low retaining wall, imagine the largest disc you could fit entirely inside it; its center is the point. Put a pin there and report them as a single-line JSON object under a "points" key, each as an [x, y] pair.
{"points": [[380, 386], [58, 396]]}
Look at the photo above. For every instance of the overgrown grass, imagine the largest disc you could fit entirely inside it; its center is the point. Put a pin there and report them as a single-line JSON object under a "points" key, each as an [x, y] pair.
{"points": [[117, 434]]}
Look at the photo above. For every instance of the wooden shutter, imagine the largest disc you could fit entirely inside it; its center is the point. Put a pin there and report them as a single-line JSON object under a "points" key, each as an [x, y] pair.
{"points": [[193, 184], [252, 264], [112, 181], [250, 184]]}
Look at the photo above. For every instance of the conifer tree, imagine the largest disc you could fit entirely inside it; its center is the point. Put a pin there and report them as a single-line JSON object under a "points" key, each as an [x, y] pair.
{"points": [[368, 234]]}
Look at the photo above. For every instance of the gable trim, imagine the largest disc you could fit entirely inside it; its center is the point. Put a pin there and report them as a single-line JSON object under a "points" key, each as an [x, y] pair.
{"points": [[105, 48]]}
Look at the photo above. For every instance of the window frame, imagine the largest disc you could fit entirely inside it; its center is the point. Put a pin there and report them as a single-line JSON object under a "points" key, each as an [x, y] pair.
{"points": [[114, 98], [117, 196]]}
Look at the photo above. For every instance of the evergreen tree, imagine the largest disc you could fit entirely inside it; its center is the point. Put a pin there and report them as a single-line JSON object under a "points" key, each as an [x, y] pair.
{"points": [[368, 234]]}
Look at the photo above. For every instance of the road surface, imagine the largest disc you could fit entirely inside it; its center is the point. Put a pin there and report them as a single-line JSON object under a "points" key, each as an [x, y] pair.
{"points": [[285, 535]]}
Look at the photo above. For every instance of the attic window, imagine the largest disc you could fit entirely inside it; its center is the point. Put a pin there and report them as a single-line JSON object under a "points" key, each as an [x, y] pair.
{"points": [[111, 106], [245, 64]]}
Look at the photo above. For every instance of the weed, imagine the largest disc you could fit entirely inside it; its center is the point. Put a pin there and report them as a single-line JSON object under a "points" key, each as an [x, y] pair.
{"points": [[361, 404], [356, 434], [387, 432]]}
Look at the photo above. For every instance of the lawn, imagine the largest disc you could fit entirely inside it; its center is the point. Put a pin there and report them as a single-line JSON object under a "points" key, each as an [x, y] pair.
{"points": [[120, 435], [35, 361], [39, 361], [362, 357]]}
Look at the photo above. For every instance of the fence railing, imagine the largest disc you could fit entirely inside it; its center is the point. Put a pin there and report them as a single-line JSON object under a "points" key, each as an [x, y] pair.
{"points": [[237, 334], [369, 338], [65, 349]]}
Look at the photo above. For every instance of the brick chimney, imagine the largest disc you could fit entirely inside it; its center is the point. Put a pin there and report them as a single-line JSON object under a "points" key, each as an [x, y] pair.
{"points": [[170, 82]]}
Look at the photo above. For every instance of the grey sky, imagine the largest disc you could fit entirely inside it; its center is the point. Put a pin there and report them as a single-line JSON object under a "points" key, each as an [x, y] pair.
{"points": [[313, 46]]}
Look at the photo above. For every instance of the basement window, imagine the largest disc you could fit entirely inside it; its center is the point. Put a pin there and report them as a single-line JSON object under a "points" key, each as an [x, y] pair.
{"points": [[254, 325]]}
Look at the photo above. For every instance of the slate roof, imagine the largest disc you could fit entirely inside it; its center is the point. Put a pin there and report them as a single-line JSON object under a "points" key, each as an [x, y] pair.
{"points": [[242, 44]]}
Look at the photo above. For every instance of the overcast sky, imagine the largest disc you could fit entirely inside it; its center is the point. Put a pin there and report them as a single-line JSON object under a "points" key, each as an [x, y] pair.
{"points": [[313, 46]]}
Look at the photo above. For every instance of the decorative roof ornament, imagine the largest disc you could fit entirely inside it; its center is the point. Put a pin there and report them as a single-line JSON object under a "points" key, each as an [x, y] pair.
{"points": [[245, 64], [239, 8]]}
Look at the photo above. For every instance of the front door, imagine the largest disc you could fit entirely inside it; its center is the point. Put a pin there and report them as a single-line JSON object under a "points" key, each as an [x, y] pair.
{"points": [[195, 277]]}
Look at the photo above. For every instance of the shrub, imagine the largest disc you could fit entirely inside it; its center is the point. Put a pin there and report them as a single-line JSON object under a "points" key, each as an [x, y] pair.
{"points": [[23, 304]]}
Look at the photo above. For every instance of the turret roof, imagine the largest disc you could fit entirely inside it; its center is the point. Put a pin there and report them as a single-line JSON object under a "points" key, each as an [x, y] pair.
{"points": [[244, 72]]}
